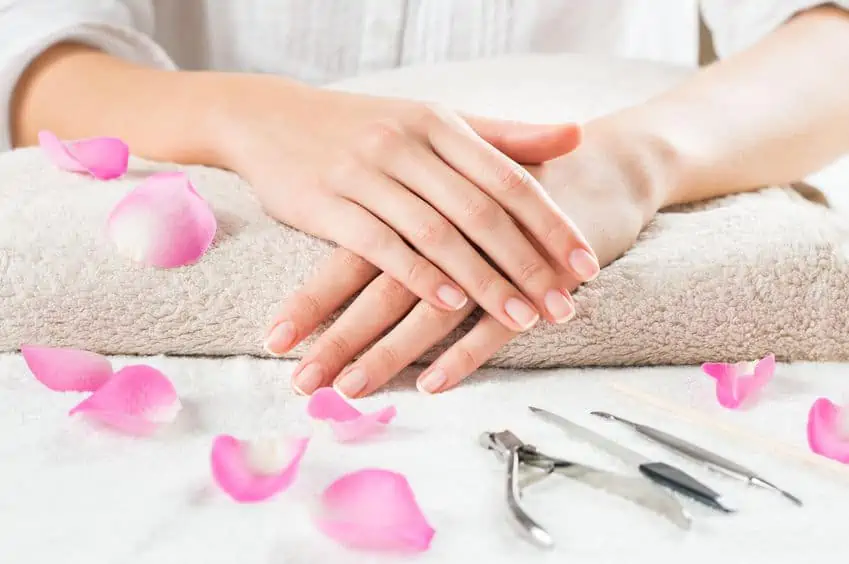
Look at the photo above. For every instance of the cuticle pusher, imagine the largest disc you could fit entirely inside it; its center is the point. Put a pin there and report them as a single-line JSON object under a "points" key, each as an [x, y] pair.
{"points": [[699, 454], [660, 473]]}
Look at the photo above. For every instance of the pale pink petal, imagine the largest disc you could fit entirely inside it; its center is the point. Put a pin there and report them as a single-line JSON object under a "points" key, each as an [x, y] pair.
{"points": [[67, 370], [252, 471], [346, 421], [163, 222], [136, 400], [828, 430], [739, 383], [104, 158], [374, 509]]}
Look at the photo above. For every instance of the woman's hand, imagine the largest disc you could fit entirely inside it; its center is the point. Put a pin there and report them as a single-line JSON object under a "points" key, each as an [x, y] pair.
{"points": [[609, 186], [424, 195]]}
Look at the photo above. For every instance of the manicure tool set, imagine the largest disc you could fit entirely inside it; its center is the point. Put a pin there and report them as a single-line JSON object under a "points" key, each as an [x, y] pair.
{"points": [[654, 485]]}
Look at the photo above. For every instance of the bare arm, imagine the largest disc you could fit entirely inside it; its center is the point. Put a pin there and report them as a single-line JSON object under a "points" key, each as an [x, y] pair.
{"points": [[770, 115]]}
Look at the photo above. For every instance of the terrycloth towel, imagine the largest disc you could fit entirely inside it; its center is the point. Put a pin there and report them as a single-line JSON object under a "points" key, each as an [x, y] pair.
{"points": [[73, 493], [733, 278]]}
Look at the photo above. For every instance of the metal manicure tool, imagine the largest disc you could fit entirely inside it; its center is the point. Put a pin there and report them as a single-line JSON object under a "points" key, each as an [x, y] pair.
{"points": [[699, 454], [660, 473], [517, 454]]}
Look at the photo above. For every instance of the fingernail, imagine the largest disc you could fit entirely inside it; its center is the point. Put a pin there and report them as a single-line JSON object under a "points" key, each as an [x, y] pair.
{"points": [[351, 383], [559, 306], [280, 338], [431, 382], [451, 296], [584, 264], [308, 379], [521, 313]]}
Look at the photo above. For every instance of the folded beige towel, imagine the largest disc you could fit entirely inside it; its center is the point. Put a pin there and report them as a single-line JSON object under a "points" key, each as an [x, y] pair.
{"points": [[731, 279]]}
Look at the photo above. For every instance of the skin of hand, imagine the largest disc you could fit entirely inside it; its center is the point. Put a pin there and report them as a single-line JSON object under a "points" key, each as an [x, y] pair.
{"points": [[437, 200], [682, 146]]}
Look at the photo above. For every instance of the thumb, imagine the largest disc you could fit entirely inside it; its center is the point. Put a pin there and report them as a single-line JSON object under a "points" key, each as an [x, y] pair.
{"points": [[527, 143]]}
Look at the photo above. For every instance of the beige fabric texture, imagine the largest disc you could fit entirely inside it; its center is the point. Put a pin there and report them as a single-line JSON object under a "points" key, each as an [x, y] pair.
{"points": [[730, 279]]}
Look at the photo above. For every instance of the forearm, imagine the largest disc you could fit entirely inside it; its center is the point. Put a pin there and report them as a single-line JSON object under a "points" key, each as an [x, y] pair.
{"points": [[770, 115], [171, 116]]}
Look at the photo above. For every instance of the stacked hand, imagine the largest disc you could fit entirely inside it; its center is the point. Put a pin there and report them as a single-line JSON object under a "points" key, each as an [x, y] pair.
{"points": [[602, 185]]}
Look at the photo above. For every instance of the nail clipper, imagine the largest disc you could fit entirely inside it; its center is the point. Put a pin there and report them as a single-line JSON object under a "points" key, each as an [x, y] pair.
{"points": [[516, 454]]}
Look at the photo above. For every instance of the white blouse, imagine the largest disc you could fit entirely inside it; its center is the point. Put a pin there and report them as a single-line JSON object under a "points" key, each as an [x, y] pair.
{"points": [[318, 41]]}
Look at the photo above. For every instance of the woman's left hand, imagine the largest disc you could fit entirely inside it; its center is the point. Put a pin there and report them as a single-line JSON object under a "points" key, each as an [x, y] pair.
{"points": [[610, 186]]}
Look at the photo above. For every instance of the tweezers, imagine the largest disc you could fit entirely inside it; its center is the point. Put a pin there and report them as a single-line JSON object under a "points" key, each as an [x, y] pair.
{"points": [[515, 454]]}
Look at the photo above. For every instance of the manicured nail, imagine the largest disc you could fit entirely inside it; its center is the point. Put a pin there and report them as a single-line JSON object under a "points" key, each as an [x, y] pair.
{"points": [[584, 264], [451, 296], [351, 383], [559, 306], [308, 379], [521, 313], [280, 338], [431, 382]]}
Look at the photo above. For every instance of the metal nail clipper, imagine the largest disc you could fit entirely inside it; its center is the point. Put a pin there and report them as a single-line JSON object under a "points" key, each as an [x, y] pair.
{"points": [[699, 454], [516, 454], [660, 473]]}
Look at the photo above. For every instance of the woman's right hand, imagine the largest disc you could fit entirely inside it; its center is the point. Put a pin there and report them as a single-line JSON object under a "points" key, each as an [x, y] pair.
{"points": [[426, 196]]}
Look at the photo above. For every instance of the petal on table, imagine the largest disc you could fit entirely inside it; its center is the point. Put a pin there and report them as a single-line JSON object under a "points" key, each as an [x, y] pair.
{"points": [[104, 158], [828, 430], [252, 471], [137, 400], [346, 421], [376, 510], [740, 382], [163, 222], [66, 369]]}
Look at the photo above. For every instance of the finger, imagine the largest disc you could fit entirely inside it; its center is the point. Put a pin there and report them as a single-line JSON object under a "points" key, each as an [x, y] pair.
{"points": [[355, 228], [340, 277], [465, 356], [375, 310], [422, 328], [527, 143], [440, 242], [517, 191], [484, 222]]}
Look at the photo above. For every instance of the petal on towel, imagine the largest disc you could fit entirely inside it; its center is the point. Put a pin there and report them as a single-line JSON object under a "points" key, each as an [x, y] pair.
{"points": [[740, 382], [346, 421], [104, 158], [67, 370], [163, 222], [136, 400], [828, 430], [252, 471], [376, 510]]}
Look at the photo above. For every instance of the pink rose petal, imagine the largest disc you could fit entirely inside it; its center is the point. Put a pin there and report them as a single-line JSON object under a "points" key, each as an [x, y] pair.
{"points": [[346, 421], [136, 400], [104, 158], [740, 382], [254, 471], [164, 222], [374, 509], [828, 430], [67, 370]]}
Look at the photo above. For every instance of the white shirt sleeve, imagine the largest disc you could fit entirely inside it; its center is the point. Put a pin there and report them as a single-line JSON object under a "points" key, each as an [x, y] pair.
{"points": [[738, 24], [122, 28]]}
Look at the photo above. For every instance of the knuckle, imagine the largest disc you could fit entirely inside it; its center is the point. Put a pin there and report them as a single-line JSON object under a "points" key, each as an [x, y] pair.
{"points": [[557, 232], [355, 264], [483, 213], [419, 273], [485, 284], [531, 271], [308, 303], [344, 169], [393, 294], [466, 359], [388, 357], [512, 179], [381, 138], [433, 233], [377, 238], [335, 347]]}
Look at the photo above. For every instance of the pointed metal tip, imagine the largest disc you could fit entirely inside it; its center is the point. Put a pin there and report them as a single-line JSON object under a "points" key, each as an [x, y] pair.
{"points": [[603, 414]]}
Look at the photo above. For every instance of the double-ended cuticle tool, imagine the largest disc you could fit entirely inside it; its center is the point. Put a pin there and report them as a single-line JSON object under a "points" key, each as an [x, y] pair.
{"points": [[701, 455], [517, 455]]}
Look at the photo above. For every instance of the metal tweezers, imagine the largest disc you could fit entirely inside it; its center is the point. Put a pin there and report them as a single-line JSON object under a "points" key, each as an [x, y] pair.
{"points": [[515, 454]]}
